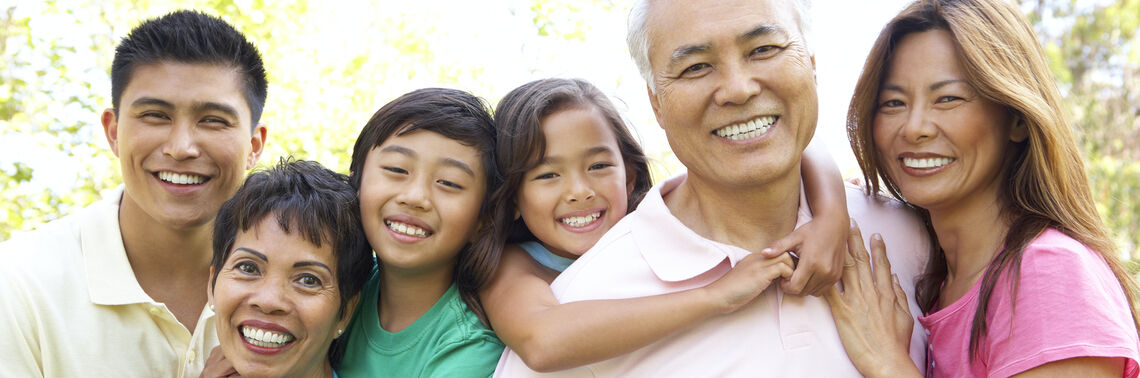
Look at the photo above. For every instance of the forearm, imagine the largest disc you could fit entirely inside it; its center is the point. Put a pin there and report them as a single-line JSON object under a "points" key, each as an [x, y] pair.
{"points": [[578, 333], [823, 184]]}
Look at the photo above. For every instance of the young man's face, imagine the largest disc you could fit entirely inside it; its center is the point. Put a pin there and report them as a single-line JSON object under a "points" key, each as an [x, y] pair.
{"points": [[184, 141]]}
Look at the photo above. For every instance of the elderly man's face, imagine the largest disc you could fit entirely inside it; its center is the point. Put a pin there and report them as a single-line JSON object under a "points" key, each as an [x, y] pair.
{"points": [[735, 87]]}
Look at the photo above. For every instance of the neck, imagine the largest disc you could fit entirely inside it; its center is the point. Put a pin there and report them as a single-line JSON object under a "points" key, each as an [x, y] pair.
{"points": [[750, 217], [970, 232], [406, 296], [171, 265]]}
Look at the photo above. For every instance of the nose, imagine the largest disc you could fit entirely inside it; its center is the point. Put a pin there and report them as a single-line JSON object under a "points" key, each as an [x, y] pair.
{"points": [[181, 143], [918, 126], [737, 86], [269, 296], [578, 189], [416, 194]]}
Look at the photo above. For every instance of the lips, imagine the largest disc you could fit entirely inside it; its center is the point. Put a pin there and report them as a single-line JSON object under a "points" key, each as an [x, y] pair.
{"points": [[927, 162], [747, 130], [181, 178]]}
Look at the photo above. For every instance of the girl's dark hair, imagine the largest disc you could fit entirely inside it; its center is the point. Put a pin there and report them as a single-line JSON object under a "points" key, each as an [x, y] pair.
{"points": [[1044, 184], [305, 199], [521, 144], [459, 116]]}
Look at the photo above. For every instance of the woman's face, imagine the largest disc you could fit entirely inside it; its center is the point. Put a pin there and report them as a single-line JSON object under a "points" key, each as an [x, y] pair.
{"points": [[276, 299], [939, 139]]}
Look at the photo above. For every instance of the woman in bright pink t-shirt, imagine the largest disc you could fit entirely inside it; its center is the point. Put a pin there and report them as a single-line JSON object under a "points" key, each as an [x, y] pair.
{"points": [[957, 113]]}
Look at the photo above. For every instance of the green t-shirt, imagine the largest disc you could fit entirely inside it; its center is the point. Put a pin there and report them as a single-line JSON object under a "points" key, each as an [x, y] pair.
{"points": [[447, 341]]}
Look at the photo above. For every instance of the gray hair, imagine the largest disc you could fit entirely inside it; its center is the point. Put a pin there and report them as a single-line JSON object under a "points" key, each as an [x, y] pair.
{"points": [[637, 34]]}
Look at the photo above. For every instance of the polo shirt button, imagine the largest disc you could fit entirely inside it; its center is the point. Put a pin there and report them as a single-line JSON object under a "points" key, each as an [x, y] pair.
{"points": [[190, 356], [154, 310]]}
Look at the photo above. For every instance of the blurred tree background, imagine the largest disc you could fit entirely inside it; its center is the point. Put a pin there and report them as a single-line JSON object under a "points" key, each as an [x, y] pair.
{"points": [[54, 80]]}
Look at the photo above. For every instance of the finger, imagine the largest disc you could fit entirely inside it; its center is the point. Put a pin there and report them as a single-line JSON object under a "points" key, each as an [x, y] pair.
{"points": [[792, 242], [900, 294], [853, 268], [882, 267], [798, 280]]}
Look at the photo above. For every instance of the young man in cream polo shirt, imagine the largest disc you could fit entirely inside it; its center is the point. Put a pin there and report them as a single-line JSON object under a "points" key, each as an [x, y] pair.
{"points": [[732, 83], [118, 288]]}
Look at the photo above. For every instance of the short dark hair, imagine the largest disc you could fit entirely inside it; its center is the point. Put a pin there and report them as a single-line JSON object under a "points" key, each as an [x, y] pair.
{"points": [[459, 116], [188, 36], [305, 198]]}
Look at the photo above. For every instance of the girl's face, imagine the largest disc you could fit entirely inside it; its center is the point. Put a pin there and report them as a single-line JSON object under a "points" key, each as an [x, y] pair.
{"points": [[277, 300], [420, 195], [940, 140], [579, 190]]}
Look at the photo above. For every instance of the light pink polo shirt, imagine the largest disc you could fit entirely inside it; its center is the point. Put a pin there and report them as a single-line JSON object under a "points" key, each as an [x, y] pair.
{"points": [[651, 252]]}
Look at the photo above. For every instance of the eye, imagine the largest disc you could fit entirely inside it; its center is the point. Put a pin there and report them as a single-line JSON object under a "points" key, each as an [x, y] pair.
{"points": [[597, 166], [449, 184], [891, 104], [765, 51], [215, 122], [948, 99], [396, 170], [546, 176], [154, 116], [695, 69], [309, 280], [246, 267]]}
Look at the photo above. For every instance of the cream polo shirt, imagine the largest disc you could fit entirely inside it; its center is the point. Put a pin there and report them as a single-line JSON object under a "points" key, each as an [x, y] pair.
{"points": [[70, 306], [651, 252]]}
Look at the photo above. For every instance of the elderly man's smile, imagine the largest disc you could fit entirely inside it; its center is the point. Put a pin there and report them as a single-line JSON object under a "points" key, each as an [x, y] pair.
{"points": [[747, 130]]}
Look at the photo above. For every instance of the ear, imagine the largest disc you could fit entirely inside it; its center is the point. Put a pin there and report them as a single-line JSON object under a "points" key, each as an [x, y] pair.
{"points": [[210, 287], [257, 144], [111, 129], [653, 103], [349, 309], [1019, 132]]}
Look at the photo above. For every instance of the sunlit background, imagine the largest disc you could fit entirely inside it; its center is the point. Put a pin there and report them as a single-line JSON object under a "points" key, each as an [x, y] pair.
{"points": [[332, 64]]}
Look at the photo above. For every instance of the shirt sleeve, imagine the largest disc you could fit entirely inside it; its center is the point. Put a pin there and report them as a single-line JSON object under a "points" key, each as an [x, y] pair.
{"points": [[1068, 304], [474, 357]]}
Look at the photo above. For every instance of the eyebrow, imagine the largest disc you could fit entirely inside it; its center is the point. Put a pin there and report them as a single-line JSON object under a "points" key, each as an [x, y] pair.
{"points": [[590, 152], [311, 263], [451, 162], [198, 107], [756, 32], [253, 252], [933, 87]]}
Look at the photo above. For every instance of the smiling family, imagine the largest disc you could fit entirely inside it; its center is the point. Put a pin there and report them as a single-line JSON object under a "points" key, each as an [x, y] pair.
{"points": [[533, 243]]}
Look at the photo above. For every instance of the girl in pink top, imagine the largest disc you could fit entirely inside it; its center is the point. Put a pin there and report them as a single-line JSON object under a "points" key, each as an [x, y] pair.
{"points": [[958, 114]]}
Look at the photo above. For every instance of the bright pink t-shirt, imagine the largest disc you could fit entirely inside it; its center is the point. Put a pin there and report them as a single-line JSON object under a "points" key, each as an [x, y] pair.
{"points": [[1068, 304]]}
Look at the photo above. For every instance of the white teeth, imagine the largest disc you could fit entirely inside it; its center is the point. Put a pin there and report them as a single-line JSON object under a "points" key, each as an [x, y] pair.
{"points": [[182, 179], [406, 229], [264, 338], [926, 163], [581, 221], [747, 130]]}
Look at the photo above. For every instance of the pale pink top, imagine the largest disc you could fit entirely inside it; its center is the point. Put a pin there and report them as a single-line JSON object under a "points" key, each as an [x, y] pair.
{"points": [[1068, 304], [651, 252]]}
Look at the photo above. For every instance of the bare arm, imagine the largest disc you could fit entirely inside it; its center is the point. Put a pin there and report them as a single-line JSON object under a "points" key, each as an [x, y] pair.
{"points": [[821, 243], [550, 336]]}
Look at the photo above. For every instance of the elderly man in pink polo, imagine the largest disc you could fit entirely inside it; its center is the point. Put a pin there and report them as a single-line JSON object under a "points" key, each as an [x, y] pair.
{"points": [[732, 83]]}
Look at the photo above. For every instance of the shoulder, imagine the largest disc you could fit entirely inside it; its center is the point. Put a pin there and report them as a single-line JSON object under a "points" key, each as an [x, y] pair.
{"points": [[468, 347]]}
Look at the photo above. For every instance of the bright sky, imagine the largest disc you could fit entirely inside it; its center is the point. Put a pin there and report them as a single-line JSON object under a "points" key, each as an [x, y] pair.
{"points": [[498, 37]]}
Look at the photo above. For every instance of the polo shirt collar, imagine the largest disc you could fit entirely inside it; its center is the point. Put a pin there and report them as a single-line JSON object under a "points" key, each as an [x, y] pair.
{"points": [[110, 279], [674, 251]]}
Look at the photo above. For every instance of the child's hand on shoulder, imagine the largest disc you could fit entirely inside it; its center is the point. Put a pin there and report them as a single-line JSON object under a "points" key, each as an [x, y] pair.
{"points": [[820, 246], [750, 277]]}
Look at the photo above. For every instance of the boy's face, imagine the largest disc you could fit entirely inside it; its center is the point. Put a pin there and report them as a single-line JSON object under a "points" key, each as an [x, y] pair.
{"points": [[183, 140], [420, 195]]}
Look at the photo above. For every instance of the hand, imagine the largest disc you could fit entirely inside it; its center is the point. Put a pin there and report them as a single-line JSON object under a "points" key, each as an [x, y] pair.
{"points": [[871, 313], [218, 366], [821, 245], [750, 277]]}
